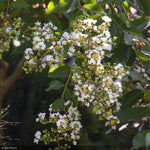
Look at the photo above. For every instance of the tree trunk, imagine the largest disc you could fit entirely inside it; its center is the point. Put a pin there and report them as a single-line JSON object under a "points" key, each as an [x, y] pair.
{"points": [[6, 83]]}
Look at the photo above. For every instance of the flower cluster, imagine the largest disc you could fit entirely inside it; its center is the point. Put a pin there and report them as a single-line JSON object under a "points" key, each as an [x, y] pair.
{"points": [[10, 31], [67, 125], [45, 50], [99, 86], [96, 83], [50, 48]]}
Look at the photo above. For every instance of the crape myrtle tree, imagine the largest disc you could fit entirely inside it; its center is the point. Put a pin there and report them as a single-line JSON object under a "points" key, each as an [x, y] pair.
{"points": [[97, 52]]}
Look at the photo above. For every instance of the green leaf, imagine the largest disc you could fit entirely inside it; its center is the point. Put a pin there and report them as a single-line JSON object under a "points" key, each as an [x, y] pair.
{"points": [[19, 4], [141, 23], [115, 18], [72, 5], [68, 94], [136, 76], [72, 15], [131, 98], [124, 18], [126, 5], [132, 29], [125, 54], [93, 7], [140, 55], [55, 85], [134, 114], [79, 61], [139, 139], [128, 38], [61, 72], [58, 104], [55, 21]]}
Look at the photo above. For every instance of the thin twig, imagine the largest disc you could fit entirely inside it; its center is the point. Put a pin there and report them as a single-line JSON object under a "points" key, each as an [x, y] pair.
{"points": [[66, 85]]}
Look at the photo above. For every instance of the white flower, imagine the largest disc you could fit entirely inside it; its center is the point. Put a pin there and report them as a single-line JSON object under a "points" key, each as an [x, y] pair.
{"points": [[31, 61], [118, 66], [72, 135], [66, 103], [38, 135], [74, 143], [28, 51], [40, 45], [107, 46], [27, 57], [61, 123], [37, 119], [37, 23], [36, 39], [90, 87], [55, 28], [49, 58], [89, 21], [16, 43], [41, 115], [43, 65], [36, 141], [71, 51], [65, 35], [50, 108], [65, 134], [106, 19], [8, 29]]}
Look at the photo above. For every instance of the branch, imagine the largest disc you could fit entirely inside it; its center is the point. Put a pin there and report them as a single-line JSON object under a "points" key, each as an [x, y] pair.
{"points": [[15, 75]]}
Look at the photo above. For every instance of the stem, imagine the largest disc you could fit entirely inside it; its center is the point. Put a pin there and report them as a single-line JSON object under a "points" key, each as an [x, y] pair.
{"points": [[125, 11], [66, 85]]}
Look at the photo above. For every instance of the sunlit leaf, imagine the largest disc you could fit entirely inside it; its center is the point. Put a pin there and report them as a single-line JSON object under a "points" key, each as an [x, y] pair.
{"points": [[90, 1], [52, 69], [60, 72], [50, 7]]}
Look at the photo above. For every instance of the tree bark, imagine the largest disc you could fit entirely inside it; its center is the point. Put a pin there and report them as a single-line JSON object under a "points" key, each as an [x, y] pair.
{"points": [[7, 82]]}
